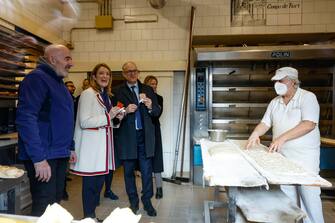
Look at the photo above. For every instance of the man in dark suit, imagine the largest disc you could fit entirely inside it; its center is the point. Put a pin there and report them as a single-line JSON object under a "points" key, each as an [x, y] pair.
{"points": [[135, 138]]}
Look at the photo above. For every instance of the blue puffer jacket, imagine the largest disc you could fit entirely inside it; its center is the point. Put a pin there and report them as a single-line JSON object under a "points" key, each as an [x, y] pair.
{"points": [[44, 116]]}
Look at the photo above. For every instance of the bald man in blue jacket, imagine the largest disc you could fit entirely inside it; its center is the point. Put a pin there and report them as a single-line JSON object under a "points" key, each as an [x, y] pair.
{"points": [[45, 125]]}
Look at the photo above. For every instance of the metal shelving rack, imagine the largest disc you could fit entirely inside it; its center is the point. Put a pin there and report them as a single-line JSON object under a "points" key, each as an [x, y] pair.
{"points": [[17, 57]]}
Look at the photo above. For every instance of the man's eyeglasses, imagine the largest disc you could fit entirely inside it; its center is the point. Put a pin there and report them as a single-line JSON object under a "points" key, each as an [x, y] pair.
{"points": [[131, 71]]}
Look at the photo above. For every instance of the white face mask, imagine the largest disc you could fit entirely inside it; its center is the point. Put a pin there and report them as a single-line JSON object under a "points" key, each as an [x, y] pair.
{"points": [[280, 88]]}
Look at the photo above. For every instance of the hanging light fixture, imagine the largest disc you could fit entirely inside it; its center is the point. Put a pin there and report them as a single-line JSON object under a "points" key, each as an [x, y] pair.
{"points": [[157, 4]]}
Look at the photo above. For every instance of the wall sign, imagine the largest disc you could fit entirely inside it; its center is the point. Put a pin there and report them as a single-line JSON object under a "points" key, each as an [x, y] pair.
{"points": [[280, 54], [265, 12]]}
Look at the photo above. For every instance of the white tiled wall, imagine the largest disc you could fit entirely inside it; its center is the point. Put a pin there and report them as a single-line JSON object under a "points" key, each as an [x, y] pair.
{"points": [[164, 40], [167, 40]]}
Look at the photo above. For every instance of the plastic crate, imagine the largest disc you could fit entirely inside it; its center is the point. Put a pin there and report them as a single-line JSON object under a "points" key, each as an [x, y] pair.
{"points": [[327, 158], [197, 157]]}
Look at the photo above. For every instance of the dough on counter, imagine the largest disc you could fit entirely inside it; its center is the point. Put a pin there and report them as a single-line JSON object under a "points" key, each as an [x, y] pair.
{"points": [[10, 172], [218, 148], [274, 162], [240, 143]]}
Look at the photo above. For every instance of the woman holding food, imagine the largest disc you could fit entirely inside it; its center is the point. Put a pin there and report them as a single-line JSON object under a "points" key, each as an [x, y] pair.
{"points": [[93, 136]]}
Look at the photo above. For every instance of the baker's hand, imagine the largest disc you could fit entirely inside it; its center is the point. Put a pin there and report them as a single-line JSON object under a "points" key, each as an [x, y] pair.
{"points": [[253, 140], [276, 144], [42, 171], [113, 112], [73, 157], [131, 108]]}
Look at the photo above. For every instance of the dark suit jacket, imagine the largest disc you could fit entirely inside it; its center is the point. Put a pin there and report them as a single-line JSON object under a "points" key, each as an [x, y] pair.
{"points": [[157, 161], [160, 103], [125, 135]]}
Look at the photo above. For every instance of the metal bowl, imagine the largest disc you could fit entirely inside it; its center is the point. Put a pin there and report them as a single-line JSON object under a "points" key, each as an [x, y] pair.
{"points": [[217, 135]]}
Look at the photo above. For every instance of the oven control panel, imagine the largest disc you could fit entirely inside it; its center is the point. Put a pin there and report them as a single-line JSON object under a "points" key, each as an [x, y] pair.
{"points": [[200, 84]]}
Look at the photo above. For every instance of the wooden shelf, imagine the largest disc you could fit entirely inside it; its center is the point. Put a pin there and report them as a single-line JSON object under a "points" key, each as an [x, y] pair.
{"points": [[11, 80], [9, 88], [11, 64], [10, 55], [12, 73]]}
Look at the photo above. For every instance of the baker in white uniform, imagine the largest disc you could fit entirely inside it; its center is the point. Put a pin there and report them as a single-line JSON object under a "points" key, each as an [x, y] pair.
{"points": [[294, 117]]}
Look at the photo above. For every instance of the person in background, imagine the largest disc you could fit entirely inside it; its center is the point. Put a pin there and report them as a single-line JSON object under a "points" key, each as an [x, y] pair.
{"points": [[135, 139], [71, 88], [86, 84], [294, 117], [45, 124], [157, 161], [94, 143]]}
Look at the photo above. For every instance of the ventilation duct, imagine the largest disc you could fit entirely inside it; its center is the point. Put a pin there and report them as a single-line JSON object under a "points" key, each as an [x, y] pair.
{"points": [[157, 4]]}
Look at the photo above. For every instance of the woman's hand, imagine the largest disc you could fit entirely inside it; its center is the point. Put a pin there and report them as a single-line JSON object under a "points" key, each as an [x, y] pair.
{"points": [[120, 115], [113, 112]]}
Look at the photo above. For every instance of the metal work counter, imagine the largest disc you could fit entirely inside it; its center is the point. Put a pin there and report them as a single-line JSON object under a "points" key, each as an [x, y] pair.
{"points": [[226, 165]]}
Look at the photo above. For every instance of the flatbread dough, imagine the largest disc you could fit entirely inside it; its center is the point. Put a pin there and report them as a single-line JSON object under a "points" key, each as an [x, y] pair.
{"points": [[274, 162], [10, 172]]}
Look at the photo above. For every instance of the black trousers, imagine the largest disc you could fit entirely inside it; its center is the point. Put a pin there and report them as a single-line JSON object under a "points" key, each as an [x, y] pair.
{"points": [[92, 186], [44, 193], [108, 181], [145, 165]]}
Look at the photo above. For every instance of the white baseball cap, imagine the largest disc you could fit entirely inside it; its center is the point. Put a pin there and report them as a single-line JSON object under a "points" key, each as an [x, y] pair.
{"points": [[285, 72]]}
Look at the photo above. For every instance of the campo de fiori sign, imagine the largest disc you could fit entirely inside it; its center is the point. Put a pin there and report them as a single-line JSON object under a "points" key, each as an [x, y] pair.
{"points": [[265, 12]]}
